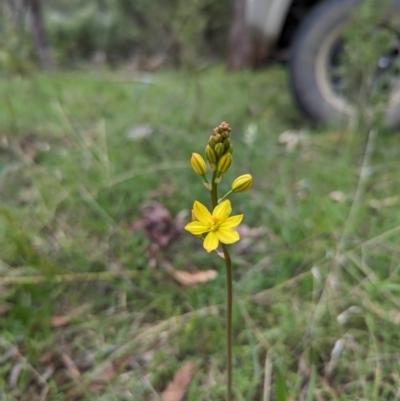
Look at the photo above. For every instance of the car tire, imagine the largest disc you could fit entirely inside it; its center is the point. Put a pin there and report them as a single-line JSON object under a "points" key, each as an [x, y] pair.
{"points": [[310, 50]]}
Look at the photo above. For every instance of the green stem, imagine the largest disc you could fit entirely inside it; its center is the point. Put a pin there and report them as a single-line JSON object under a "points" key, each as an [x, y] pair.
{"points": [[229, 298], [225, 196], [214, 197], [204, 178], [229, 301]]}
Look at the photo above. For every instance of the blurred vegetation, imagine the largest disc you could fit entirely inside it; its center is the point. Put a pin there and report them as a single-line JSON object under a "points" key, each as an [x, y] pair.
{"points": [[179, 31], [322, 275], [16, 50], [370, 62]]}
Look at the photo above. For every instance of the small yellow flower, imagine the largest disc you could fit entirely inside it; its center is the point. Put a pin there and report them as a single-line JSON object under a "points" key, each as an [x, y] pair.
{"points": [[198, 164], [242, 183], [218, 225]]}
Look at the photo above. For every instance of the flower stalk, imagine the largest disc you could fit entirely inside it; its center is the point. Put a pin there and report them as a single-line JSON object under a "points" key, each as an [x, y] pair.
{"points": [[217, 225], [229, 301]]}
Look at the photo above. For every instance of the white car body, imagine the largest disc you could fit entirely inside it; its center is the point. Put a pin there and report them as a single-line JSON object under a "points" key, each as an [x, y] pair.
{"points": [[266, 18]]}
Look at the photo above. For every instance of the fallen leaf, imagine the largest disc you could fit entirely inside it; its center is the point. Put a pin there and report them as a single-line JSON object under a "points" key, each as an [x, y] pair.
{"points": [[250, 134], [158, 224], [139, 131], [192, 278], [155, 62], [292, 139], [164, 190], [63, 320], [326, 382], [70, 365], [28, 195], [330, 367], [181, 219], [249, 232], [14, 375], [46, 358], [31, 146], [109, 371], [4, 309], [387, 202], [338, 196], [394, 316], [59, 321], [176, 389], [4, 143], [248, 235], [337, 136], [152, 255], [254, 109], [301, 188], [343, 317]]}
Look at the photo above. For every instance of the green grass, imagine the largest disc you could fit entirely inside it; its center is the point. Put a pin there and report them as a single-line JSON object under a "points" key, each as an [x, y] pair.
{"points": [[72, 183]]}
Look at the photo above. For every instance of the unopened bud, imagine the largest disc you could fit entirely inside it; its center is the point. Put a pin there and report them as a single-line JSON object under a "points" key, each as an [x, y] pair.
{"points": [[224, 163], [217, 137], [198, 164], [211, 155], [219, 149], [242, 183], [227, 143], [212, 141], [224, 127], [230, 150]]}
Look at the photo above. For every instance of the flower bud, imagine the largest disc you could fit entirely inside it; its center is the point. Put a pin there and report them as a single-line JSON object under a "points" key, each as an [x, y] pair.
{"points": [[211, 155], [230, 150], [242, 183], [224, 129], [219, 149], [227, 143], [212, 141], [224, 163], [198, 164], [217, 137]]}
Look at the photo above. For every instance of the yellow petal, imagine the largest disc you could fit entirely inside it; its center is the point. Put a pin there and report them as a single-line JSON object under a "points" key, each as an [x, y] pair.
{"points": [[227, 236], [211, 242], [232, 221], [201, 212], [197, 228], [223, 210]]}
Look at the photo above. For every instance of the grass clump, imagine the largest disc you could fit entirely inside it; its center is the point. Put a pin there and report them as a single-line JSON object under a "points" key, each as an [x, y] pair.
{"points": [[316, 291]]}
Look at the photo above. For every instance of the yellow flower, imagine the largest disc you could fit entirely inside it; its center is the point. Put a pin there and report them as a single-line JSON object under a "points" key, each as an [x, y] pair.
{"points": [[218, 225]]}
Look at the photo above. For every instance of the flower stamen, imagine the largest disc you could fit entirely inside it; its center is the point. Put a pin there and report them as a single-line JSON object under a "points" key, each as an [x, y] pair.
{"points": [[215, 221]]}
